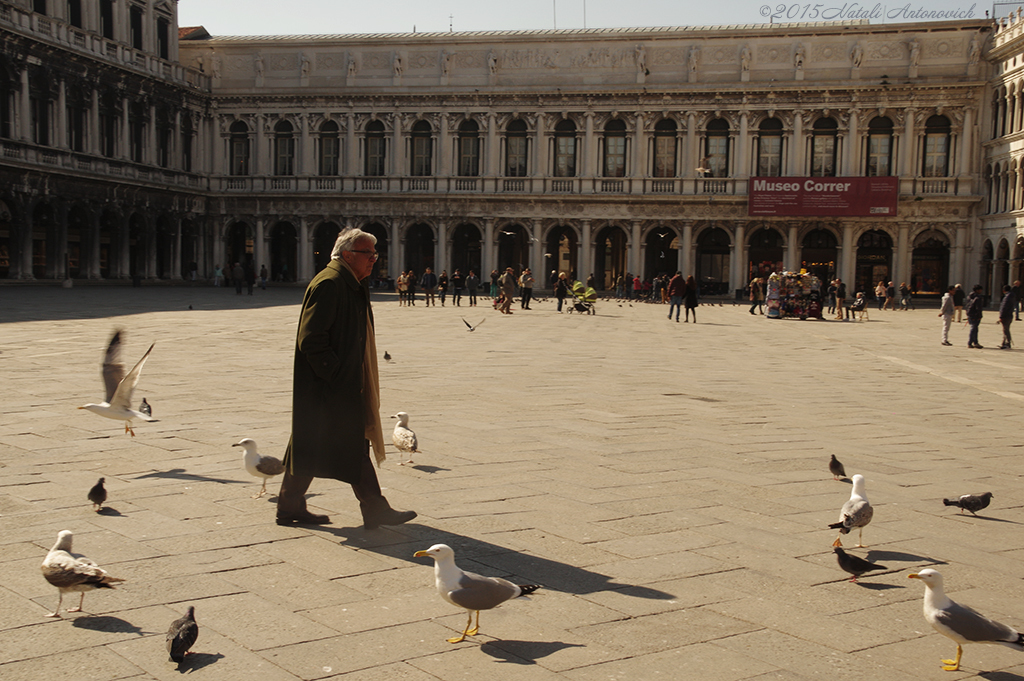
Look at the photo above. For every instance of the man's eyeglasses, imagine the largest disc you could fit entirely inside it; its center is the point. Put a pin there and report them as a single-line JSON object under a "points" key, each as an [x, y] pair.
{"points": [[373, 254]]}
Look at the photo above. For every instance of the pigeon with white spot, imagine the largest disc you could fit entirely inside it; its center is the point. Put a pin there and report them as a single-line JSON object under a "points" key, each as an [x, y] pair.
{"points": [[970, 502], [960, 623], [468, 590], [856, 513], [70, 573], [259, 465], [145, 407], [403, 436], [120, 387]]}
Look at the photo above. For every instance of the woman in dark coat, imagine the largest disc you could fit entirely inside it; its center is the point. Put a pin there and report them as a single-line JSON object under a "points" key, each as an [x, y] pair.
{"points": [[561, 290], [690, 298]]}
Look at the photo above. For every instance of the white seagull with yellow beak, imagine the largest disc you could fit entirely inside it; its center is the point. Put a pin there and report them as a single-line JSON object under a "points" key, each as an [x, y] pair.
{"points": [[120, 387]]}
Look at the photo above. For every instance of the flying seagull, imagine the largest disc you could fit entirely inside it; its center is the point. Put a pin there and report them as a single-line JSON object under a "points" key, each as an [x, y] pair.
{"points": [[119, 387], [259, 465], [855, 565], [856, 512], [183, 633], [467, 590], [73, 573], [960, 623], [471, 327], [404, 437], [970, 502], [98, 495], [145, 407], [835, 467]]}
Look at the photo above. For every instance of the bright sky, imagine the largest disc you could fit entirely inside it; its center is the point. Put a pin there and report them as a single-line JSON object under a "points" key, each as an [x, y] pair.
{"points": [[312, 17]]}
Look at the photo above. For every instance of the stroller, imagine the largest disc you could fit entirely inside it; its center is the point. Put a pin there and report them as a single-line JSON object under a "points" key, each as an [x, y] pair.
{"points": [[584, 298]]}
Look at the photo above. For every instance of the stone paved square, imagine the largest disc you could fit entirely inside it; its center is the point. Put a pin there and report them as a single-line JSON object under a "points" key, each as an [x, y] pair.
{"points": [[665, 482]]}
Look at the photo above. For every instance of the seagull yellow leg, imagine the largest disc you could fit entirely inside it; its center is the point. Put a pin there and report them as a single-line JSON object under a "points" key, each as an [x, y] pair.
{"points": [[78, 608], [472, 632], [954, 665], [469, 621]]}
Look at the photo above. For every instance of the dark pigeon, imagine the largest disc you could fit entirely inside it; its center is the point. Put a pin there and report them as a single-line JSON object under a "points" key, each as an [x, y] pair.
{"points": [[835, 466], [98, 495], [387, 357], [855, 565], [145, 408], [970, 502], [182, 634]]}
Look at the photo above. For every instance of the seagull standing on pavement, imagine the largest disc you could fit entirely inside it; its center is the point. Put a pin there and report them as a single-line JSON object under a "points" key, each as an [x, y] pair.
{"points": [[259, 465], [71, 573], [856, 513], [120, 387], [403, 436]]}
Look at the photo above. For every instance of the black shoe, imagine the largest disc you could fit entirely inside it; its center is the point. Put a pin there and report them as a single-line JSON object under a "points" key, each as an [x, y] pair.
{"points": [[303, 518], [387, 517], [946, 343]]}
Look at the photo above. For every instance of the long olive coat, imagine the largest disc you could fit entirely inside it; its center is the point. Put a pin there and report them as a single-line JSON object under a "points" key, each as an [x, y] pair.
{"points": [[328, 423]]}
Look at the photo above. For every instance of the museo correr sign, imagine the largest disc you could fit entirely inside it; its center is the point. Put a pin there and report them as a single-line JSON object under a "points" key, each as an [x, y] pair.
{"points": [[823, 196]]}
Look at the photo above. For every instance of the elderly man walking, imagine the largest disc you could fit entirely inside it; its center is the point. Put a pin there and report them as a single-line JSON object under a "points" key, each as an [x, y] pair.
{"points": [[335, 396], [507, 282]]}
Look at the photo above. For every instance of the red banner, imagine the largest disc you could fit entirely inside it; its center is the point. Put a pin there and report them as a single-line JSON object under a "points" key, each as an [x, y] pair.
{"points": [[823, 196]]}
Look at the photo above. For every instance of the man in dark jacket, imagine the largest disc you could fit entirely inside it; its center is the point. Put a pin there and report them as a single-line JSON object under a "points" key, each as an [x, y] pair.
{"points": [[335, 397], [1006, 312], [975, 303]]}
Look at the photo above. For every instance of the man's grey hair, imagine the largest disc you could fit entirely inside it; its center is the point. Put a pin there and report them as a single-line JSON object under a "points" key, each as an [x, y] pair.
{"points": [[347, 240]]}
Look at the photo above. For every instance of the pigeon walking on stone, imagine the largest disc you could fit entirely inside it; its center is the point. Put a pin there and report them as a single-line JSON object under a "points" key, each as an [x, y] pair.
{"points": [[71, 573], [259, 465], [387, 357], [403, 436], [855, 565], [856, 513], [120, 387], [98, 495], [970, 502], [960, 623], [468, 590], [183, 633], [835, 467], [145, 408]]}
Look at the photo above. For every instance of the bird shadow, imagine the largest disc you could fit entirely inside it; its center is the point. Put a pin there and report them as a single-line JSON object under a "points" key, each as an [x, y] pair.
{"points": [[480, 556], [107, 510], [874, 555], [114, 625], [524, 652], [879, 586], [1001, 676], [429, 469], [180, 474], [194, 661], [993, 520]]}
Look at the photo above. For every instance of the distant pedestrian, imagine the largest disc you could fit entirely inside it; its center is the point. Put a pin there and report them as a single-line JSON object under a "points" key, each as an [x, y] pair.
{"points": [[218, 275], [958, 301], [676, 291], [472, 284], [638, 287], [507, 284], [756, 296], [400, 287], [1007, 308], [690, 298], [526, 282], [263, 277], [457, 282], [890, 296], [627, 286], [946, 312], [832, 297], [429, 283], [1016, 296], [410, 288], [975, 304], [561, 290], [905, 296], [238, 278], [880, 295], [840, 298], [494, 283], [442, 286], [193, 270]]}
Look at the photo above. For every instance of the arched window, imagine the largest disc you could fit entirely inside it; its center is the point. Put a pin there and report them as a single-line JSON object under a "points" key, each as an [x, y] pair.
{"points": [[823, 147], [716, 149], [421, 149], [469, 149], [664, 148], [284, 149], [565, 148], [615, 149], [936, 147], [330, 148], [376, 149], [516, 149], [769, 148], [879, 147], [239, 148]]}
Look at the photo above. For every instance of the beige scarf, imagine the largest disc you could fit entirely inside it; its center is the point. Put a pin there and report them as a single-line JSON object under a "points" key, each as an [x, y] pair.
{"points": [[371, 388]]}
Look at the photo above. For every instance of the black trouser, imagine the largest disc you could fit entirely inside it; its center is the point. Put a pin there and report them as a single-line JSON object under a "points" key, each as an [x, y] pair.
{"points": [[291, 500], [526, 296], [1007, 339]]}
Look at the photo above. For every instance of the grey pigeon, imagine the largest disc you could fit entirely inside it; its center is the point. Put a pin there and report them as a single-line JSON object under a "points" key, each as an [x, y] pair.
{"points": [[855, 565], [970, 502], [145, 407], [183, 633], [98, 495], [835, 467], [387, 357]]}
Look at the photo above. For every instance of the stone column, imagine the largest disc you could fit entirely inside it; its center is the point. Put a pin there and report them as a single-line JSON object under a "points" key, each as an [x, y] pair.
{"points": [[793, 250], [536, 257], [94, 123], [585, 252], [492, 153], [351, 147], [743, 142], [488, 256], [125, 151], [686, 249], [445, 147], [397, 148], [639, 169], [907, 144], [540, 164], [218, 142], [259, 246], [957, 269], [901, 269], [738, 263], [795, 162], [306, 166], [176, 253], [441, 249], [847, 252], [851, 159], [690, 152], [396, 264], [258, 163], [60, 139], [305, 249], [26, 123], [149, 154], [964, 161], [589, 147], [635, 259]]}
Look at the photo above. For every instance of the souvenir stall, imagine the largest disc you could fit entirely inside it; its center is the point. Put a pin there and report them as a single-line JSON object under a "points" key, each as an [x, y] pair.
{"points": [[793, 294]]}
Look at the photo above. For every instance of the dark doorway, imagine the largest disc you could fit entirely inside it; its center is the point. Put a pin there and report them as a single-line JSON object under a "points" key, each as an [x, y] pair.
{"points": [[819, 253], [284, 249], [466, 250], [874, 262], [610, 250], [765, 253], [662, 252]]}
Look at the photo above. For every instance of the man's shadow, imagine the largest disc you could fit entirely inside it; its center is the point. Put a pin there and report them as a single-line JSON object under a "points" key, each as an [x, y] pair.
{"points": [[487, 559]]}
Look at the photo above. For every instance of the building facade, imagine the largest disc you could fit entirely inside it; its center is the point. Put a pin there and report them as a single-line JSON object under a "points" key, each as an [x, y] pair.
{"points": [[131, 149]]}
